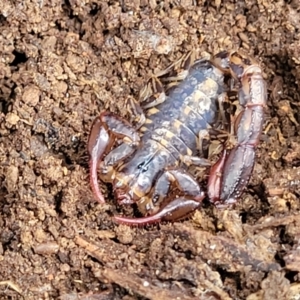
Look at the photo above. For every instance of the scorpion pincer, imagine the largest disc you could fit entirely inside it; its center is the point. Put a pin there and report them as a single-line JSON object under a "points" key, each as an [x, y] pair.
{"points": [[149, 165]]}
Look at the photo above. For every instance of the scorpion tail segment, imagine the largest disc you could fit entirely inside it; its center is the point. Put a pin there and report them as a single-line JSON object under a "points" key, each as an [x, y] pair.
{"points": [[175, 210], [215, 179], [97, 143]]}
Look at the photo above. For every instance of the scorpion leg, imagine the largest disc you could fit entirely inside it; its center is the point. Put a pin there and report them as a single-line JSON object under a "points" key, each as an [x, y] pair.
{"points": [[174, 208], [203, 142], [137, 116], [195, 161], [225, 114], [105, 129], [179, 69], [153, 93]]}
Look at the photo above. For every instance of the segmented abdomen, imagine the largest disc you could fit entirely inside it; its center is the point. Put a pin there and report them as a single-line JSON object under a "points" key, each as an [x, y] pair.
{"points": [[189, 107]]}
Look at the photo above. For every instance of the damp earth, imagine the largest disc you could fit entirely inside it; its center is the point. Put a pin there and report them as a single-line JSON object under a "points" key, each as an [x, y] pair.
{"points": [[61, 63]]}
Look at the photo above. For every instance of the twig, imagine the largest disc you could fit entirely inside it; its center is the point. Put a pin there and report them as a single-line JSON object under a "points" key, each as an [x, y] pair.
{"points": [[11, 285]]}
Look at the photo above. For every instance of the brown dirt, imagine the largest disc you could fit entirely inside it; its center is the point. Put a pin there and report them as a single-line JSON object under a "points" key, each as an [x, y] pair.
{"points": [[62, 62]]}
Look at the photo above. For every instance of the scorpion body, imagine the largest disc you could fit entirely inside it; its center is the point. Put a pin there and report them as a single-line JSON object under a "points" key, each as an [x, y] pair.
{"points": [[150, 166]]}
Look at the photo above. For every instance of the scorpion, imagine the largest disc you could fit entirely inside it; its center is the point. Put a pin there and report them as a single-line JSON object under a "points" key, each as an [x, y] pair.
{"points": [[148, 164]]}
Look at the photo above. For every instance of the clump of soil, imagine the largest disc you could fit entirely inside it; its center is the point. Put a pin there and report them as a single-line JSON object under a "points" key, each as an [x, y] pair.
{"points": [[61, 64]]}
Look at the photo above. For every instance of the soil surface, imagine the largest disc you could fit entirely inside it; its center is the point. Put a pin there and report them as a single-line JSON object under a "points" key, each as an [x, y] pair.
{"points": [[62, 62]]}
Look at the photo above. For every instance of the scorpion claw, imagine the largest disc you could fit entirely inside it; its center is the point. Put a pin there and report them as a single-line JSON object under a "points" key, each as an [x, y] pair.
{"points": [[175, 210], [215, 179], [98, 141]]}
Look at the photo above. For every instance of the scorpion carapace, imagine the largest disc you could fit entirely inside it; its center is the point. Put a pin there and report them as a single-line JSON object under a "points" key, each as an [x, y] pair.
{"points": [[148, 164]]}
